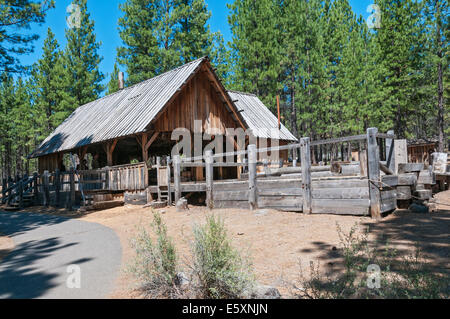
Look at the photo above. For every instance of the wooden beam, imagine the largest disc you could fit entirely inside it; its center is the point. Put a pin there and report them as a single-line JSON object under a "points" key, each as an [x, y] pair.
{"points": [[252, 160], [306, 174], [209, 179], [373, 165]]}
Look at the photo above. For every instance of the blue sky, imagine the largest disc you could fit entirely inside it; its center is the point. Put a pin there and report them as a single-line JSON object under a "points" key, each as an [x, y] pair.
{"points": [[106, 13]]}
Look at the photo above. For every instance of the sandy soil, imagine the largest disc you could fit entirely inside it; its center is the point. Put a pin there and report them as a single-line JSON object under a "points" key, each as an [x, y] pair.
{"points": [[280, 243], [6, 245]]}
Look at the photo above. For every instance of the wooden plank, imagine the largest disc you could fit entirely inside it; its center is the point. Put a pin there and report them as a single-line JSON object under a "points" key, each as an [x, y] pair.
{"points": [[57, 184], [341, 193], [373, 166], [231, 195], [209, 179], [410, 167], [305, 151], [280, 202], [341, 207], [231, 186], [409, 179], [218, 204], [389, 181], [252, 159], [281, 192], [388, 205], [344, 183], [426, 177], [388, 194], [404, 192]]}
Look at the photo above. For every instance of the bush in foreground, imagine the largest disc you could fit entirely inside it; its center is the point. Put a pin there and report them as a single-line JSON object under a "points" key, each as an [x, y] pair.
{"points": [[155, 264], [219, 270]]}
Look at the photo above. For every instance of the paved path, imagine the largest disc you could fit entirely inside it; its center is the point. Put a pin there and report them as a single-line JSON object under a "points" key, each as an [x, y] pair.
{"points": [[45, 246]]}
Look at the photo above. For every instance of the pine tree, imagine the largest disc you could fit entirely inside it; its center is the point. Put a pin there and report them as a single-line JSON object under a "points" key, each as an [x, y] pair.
{"points": [[140, 53], [400, 41], [437, 13], [256, 54], [82, 59], [113, 85], [53, 100], [19, 15], [192, 35]]}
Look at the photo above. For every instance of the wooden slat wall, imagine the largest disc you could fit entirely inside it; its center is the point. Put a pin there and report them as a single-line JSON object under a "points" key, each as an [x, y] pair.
{"points": [[198, 101]]}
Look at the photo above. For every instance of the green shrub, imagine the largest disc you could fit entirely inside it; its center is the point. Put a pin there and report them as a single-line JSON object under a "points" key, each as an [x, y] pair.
{"points": [[155, 264], [220, 271], [401, 277]]}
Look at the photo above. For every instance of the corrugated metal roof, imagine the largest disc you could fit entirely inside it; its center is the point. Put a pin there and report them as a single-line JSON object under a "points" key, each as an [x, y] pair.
{"points": [[259, 118], [131, 110], [123, 113]]}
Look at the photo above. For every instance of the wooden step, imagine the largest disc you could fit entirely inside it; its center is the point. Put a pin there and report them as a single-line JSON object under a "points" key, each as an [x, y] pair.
{"points": [[424, 194]]}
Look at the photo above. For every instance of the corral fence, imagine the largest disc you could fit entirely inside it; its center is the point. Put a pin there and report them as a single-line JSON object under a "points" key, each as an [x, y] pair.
{"points": [[350, 188]]}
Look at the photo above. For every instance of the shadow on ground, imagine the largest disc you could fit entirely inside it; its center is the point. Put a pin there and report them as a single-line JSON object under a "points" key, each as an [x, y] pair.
{"points": [[21, 274]]}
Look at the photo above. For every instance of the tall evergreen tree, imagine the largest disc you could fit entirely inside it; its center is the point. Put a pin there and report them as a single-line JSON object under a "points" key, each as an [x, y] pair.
{"points": [[82, 58], [53, 101], [113, 84], [256, 53], [140, 53], [400, 43], [19, 15]]}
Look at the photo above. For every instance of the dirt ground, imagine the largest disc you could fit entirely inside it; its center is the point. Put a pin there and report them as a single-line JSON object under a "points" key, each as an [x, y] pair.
{"points": [[6, 245], [279, 243]]}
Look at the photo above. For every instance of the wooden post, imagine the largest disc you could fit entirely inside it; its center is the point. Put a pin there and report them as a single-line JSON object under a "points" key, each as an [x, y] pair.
{"points": [[72, 189], [110, 147], [252, 160], [57, 185], [400, 153], [45, 182], [169, 179], [390, 159], [373, 167], [4, 188], [306, 174], [158, 172], [209, 160], [177, 177], [21, 194], [35, 188]]}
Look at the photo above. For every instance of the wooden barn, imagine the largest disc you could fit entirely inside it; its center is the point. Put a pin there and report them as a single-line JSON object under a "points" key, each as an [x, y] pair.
{"points": [[135, 124]]}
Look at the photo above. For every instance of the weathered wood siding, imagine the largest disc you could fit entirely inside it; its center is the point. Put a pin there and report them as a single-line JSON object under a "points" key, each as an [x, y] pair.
{"points": [[199, 100]]}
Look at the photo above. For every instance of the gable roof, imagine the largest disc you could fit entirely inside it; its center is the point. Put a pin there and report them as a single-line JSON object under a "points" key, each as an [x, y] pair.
{"points": [[129, 111], [259, 118]]}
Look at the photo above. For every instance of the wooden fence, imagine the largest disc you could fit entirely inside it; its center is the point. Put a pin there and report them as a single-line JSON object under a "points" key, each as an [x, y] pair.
{"points": [[357, 189]]}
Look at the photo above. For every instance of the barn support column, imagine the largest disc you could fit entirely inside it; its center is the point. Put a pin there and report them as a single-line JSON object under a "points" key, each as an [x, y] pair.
{"points": [[146, 143], [110, 147]]}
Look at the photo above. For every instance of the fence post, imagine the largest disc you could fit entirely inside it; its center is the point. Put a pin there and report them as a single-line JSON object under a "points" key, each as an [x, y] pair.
{"points": [[4, 188], [209, 160], [35, 188], [390, 160], [72, 189], [57, 184], [158, 172], [169, 179], [305, 150], [177, 177], [252, 160], [45, 182], [21, 194], [373, 167]]}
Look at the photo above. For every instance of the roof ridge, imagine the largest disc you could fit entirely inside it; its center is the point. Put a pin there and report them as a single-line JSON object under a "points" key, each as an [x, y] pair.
{"points": [[240, 92]]}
